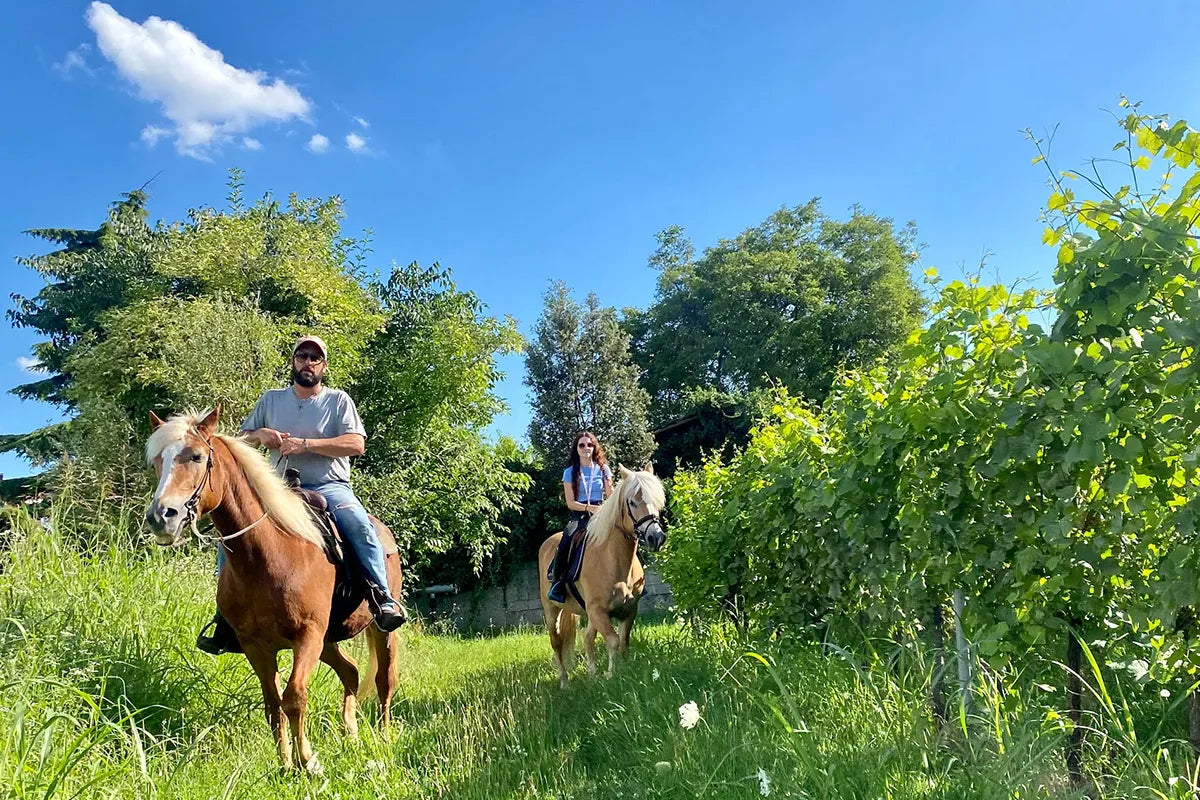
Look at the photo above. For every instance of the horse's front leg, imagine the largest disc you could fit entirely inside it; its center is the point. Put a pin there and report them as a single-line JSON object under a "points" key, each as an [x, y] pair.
{"points": [[625, 628], [306, 649], [266, 667], [600, 622], [589, 647]]}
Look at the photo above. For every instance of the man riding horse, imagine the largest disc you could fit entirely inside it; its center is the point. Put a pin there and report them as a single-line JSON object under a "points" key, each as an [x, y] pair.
{"points": [[315, 430]]}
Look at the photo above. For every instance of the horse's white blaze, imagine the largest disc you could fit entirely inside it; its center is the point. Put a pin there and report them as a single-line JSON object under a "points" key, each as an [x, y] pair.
{"points": [[168, 465]]}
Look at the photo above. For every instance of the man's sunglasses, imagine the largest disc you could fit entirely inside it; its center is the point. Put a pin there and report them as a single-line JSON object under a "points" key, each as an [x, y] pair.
{"points": [[315, 358]]}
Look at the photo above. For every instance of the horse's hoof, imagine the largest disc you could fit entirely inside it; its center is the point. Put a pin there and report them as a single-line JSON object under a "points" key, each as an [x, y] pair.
{"points": [[313, 767]]}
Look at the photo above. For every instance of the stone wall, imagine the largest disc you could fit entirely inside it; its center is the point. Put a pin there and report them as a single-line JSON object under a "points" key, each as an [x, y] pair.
{"points": [[519, 602]]}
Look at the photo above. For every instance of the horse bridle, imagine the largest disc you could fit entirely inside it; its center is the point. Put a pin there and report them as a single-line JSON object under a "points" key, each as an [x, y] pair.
{"points": [[640, 526], [192, 516]]}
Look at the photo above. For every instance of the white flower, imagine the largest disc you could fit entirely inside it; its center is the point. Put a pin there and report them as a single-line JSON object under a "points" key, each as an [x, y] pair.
{"points": [[689, 715], [1165, 693], [764, 782], [654, 675]]}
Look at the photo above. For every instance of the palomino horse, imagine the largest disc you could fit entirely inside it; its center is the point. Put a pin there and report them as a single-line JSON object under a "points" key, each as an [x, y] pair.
{"points": [[611, 579], [277, 586]]}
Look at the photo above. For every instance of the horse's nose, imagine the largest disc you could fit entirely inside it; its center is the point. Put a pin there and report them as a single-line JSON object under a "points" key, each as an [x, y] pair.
{"points": [[158, 514], [656, 538]]}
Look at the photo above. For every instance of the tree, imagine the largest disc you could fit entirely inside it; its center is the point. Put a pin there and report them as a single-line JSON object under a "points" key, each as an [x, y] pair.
{"points": [[579, 369], [198, 312], [790, 301], [424, 401], [204, 311]]}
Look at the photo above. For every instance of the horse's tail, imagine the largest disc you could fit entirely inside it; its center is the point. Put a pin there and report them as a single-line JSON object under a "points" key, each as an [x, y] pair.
{"points": [[366, 689], [566, 624], [566, 633]]}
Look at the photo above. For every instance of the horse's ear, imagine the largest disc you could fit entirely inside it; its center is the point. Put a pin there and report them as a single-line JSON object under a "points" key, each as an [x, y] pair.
{"points": [[209, 424], [624, 472], [649, 467], [155, 422]]}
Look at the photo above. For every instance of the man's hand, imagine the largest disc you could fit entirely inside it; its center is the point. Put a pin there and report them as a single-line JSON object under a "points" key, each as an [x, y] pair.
{"points": [[290, 446], [270, 438]]}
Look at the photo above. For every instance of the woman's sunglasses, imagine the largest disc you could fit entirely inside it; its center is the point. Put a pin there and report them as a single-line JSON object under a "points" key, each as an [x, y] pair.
{"points": [[583, 445]]}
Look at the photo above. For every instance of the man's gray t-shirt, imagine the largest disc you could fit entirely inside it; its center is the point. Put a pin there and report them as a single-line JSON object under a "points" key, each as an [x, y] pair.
{"points": [[328, 414]]}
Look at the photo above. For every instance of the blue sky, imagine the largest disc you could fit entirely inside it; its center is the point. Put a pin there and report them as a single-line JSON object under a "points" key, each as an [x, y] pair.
{"points": [[522, 142]]}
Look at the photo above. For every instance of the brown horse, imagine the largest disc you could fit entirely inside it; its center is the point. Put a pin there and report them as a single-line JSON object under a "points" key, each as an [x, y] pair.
{"points": [[277, 586], [611, 579]]}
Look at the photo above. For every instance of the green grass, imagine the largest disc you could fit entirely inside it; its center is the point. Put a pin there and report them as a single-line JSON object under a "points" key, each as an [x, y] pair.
{"points": [[103, 695]]}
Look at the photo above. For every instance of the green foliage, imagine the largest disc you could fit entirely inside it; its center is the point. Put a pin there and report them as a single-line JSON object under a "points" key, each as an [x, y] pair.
{"points": [[1050, 475], [788, 301], [537, 512], [579, 370], [176, 353], [448, 494], [433, 364]]}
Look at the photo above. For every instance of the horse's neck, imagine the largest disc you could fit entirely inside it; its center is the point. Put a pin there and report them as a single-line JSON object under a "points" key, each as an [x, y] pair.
{"points": [[620, 552], [238, 510]]}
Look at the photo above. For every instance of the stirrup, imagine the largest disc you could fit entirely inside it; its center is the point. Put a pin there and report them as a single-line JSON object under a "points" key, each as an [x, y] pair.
{"points": [[222, 640], [387, 620]]}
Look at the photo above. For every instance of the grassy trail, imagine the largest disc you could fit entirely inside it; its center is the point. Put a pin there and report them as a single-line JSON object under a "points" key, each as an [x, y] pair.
{"points": [[103, 695]]}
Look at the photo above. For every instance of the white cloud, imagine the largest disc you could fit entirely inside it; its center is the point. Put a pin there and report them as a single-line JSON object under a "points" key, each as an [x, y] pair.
{"points": [[318, 143], [251, 144], [152, 133], [31, 365], [74, 60], [206, 99], [356, 143], [362, 122]]}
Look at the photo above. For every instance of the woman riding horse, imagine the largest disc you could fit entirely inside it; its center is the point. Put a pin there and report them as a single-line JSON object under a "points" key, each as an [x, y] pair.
{"points": [[610, 579]]}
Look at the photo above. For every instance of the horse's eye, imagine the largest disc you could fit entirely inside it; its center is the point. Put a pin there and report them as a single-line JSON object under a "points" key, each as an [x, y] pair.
{"points": [[196, 458]]}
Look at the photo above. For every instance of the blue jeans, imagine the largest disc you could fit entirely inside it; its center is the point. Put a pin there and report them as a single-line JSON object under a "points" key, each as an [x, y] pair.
{"points": [[355, 525]]}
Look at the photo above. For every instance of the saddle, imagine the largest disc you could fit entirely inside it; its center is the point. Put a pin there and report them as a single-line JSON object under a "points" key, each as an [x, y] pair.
{"points": [[349, 588], [318, 509]]}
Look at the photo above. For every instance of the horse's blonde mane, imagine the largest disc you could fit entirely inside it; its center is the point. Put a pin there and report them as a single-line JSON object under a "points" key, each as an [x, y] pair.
{"points": [[604, 521], [283, 506]]}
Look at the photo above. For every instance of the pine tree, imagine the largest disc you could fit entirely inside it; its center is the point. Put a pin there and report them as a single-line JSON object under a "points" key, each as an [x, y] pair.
{"points": [[582, 377]]}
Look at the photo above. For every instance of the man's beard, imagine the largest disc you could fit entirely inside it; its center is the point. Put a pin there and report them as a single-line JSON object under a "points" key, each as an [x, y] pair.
{"points": [[304, 380]]}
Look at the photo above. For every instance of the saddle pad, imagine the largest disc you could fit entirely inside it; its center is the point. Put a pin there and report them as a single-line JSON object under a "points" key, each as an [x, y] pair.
{"points": [[575, 551], [575, 555]]}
